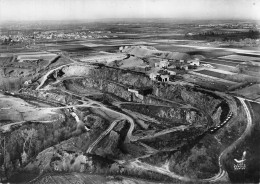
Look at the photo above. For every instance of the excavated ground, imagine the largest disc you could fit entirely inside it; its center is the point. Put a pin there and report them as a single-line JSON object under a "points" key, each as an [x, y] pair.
{"points": [[169, 128]]}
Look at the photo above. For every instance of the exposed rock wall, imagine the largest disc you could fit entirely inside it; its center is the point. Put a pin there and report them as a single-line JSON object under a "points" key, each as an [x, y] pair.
{"points": [[118, 91], [124, 77], [76, 70], [205, 102], [117, 82]]}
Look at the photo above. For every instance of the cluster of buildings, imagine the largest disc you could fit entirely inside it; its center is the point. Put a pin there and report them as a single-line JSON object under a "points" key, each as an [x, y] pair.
{"points": [[7, 39], [71, 35], [50, 35], [178, 64], [163, 76], [167, 68]]}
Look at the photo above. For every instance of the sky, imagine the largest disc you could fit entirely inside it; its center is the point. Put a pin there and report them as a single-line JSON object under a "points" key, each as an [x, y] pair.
{"points": [[102, 9]]}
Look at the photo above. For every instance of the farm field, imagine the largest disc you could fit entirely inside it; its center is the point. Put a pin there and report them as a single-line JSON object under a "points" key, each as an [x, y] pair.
{"points": [[251, 92], [206, 82], [241, 58], [45, 56], [217, 61], [211, 73], [249, 54], [5, 60], [217, 79]]}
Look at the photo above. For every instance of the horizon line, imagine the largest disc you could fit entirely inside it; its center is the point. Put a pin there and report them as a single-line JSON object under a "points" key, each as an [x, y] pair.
{"points": [[134, 18]]}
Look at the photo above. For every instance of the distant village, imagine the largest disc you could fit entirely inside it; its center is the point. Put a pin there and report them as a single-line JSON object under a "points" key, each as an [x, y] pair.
{"points": [[13, 36]]}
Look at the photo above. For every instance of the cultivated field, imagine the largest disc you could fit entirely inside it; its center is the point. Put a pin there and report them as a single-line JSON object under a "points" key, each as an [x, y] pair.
{"points": [[220, 62], [241, 58], [32, 57], [250, 92], [211, 73], [5, 60]]}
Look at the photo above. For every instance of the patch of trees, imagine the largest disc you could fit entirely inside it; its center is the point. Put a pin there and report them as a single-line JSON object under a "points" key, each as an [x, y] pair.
{"points": [[174, 139], [200, 161], [247, 42], [219, 35], [26, 142], [7, 41], [196, 158]]}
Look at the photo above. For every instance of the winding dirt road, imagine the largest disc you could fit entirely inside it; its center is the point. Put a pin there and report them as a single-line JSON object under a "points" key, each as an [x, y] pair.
{"points": [[112, 125], [222, 172], [130, 138]]}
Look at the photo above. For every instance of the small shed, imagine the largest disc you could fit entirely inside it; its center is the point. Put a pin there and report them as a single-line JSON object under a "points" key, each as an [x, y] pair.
{"points": [[157, 65], [164, 64], [171, 72], [153, 76], [194, 62], [121, 49], [165, 78], [184, 67]]}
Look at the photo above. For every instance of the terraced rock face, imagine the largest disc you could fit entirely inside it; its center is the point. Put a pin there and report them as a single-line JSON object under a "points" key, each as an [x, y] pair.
{"points": [[85, 119]]}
